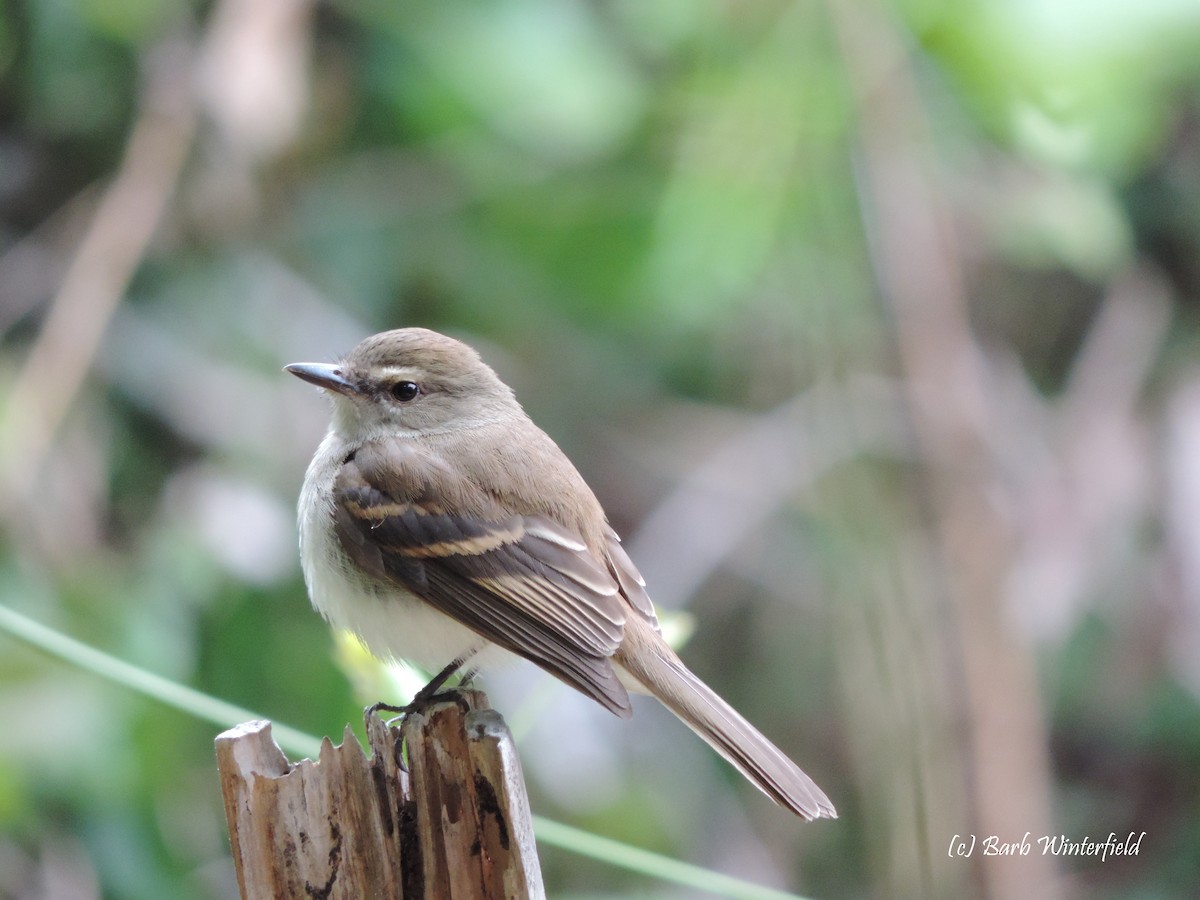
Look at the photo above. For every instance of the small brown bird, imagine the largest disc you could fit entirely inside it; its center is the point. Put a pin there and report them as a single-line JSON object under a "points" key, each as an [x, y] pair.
{"points": [[441, 525]]}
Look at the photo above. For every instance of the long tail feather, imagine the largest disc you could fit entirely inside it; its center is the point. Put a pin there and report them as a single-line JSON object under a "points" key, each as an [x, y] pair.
{"points": [[661, 673]]}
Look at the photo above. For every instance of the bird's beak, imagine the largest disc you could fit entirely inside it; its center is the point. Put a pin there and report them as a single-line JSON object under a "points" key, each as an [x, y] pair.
{"points": [[324, 376]]}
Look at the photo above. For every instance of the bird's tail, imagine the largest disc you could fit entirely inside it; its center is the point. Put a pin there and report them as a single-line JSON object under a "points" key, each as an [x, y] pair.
{"points": [[656, 669]]}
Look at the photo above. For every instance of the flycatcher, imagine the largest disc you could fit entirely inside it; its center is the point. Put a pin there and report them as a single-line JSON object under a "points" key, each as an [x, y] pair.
{"points": [[441, 525]]}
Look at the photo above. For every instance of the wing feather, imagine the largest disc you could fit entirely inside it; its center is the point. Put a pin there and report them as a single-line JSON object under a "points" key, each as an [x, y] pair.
{"points": [[521, 581], [632, 585]]}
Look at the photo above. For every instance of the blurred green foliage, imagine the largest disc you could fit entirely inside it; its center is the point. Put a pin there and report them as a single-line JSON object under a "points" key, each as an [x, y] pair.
{"points": [[680, 230]]}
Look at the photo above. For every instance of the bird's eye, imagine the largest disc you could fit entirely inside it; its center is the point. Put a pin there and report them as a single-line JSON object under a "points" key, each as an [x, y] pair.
{"points": [[405, 390]]}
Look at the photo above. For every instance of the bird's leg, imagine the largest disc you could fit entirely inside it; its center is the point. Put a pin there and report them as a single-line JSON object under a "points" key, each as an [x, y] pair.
{"points": [[428, 694]]}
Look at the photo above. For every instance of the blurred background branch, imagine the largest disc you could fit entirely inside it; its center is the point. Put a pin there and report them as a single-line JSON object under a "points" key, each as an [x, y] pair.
{"points": [[126, 219], [1002, 746]]}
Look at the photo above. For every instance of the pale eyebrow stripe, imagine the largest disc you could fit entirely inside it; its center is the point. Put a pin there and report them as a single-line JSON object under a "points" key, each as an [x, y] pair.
{"points": [[410, 373]]}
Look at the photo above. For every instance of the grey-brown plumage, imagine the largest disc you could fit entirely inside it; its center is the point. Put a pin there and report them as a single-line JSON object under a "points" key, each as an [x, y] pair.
{"points": [[437, 521]]}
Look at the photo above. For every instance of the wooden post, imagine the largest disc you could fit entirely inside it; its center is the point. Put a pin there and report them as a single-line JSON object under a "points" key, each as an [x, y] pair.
{"points": [[454, 823]]}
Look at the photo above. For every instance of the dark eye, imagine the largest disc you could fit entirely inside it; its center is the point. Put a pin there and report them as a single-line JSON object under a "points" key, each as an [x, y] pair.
{"points": [[405, 390]]}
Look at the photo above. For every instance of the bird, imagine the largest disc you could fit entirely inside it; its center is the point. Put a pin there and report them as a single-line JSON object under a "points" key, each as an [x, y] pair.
{"points": [[442, 526]]}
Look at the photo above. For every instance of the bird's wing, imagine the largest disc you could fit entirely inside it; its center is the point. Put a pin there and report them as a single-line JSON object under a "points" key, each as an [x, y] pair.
{"points": [[521, 581], [633, 586]]}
